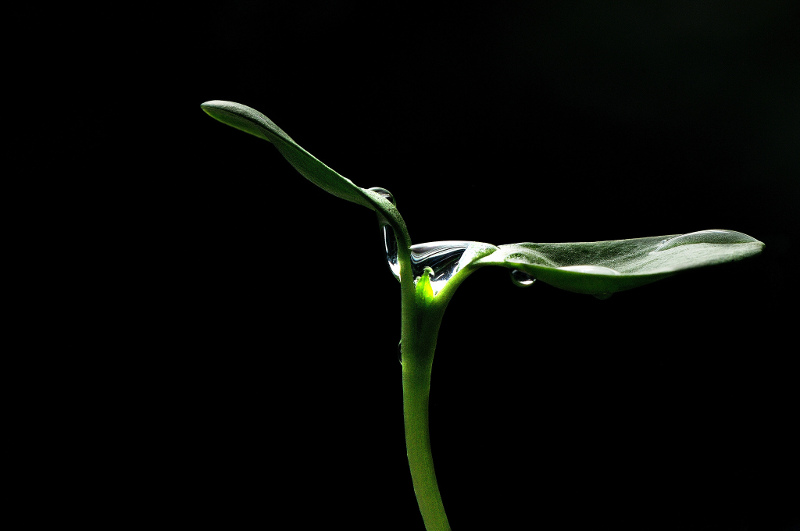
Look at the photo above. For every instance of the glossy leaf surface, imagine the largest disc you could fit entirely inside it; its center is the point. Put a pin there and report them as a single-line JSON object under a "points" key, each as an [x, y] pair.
{"points": [[605, 267]]}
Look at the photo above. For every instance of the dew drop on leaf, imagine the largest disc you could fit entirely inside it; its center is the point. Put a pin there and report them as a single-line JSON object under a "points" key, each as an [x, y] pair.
{"points": [[385, 193], [521, 279]]}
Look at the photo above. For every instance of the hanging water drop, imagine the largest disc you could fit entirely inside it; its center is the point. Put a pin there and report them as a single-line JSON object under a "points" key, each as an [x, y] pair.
{"points": [[521, 279], [389, 240], [390, 246]]}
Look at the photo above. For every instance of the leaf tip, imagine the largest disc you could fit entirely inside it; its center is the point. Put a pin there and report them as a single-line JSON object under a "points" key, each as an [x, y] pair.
{"points": [[211, 106], [241, 117]]}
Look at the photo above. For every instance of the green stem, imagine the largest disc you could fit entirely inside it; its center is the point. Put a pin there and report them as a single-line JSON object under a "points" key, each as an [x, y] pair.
{"points": [[420, 329]]}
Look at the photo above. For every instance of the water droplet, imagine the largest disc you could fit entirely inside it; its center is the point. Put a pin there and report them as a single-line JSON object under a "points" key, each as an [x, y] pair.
{"points": [[521, 279], [443, 257], [385, 193], [400, 352], [713, 236], [591, 269], [603, 296], [389, 240], [390, 246]]}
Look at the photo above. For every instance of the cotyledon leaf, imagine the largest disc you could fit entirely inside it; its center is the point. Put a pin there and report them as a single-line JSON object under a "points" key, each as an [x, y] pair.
{"points": [[251, 121], [597, 268], [605, 267]]}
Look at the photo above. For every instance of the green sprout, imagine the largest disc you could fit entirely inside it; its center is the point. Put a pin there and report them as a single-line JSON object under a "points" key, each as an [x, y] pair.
{"points": [[430, 273]]}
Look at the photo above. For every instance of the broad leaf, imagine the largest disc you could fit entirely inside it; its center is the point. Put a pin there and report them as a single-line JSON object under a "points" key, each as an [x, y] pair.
{"points": [[602, 268], [595, 268]]}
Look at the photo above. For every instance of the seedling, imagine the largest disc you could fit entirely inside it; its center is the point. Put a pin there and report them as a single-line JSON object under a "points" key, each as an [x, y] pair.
{"points": [[430, 273]]}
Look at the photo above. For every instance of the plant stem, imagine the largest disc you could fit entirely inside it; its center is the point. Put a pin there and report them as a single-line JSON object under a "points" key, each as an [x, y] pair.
{"points": [[420, 329]]}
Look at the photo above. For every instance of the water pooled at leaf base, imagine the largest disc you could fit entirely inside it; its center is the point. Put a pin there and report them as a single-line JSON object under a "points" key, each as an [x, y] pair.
{"points": [[442, 257]]}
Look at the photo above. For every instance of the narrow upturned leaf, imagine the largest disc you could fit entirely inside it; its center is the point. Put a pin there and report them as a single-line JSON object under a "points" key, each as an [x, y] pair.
{"points": [[251, 121], [606, 267]]}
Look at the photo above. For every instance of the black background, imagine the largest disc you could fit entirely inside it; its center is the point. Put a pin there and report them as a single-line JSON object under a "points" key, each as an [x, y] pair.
{"points": [[253, 374]]}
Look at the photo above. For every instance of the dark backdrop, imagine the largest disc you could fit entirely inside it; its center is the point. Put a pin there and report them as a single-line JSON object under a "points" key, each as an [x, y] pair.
{"points": [[273, 389], [667, 407]]}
